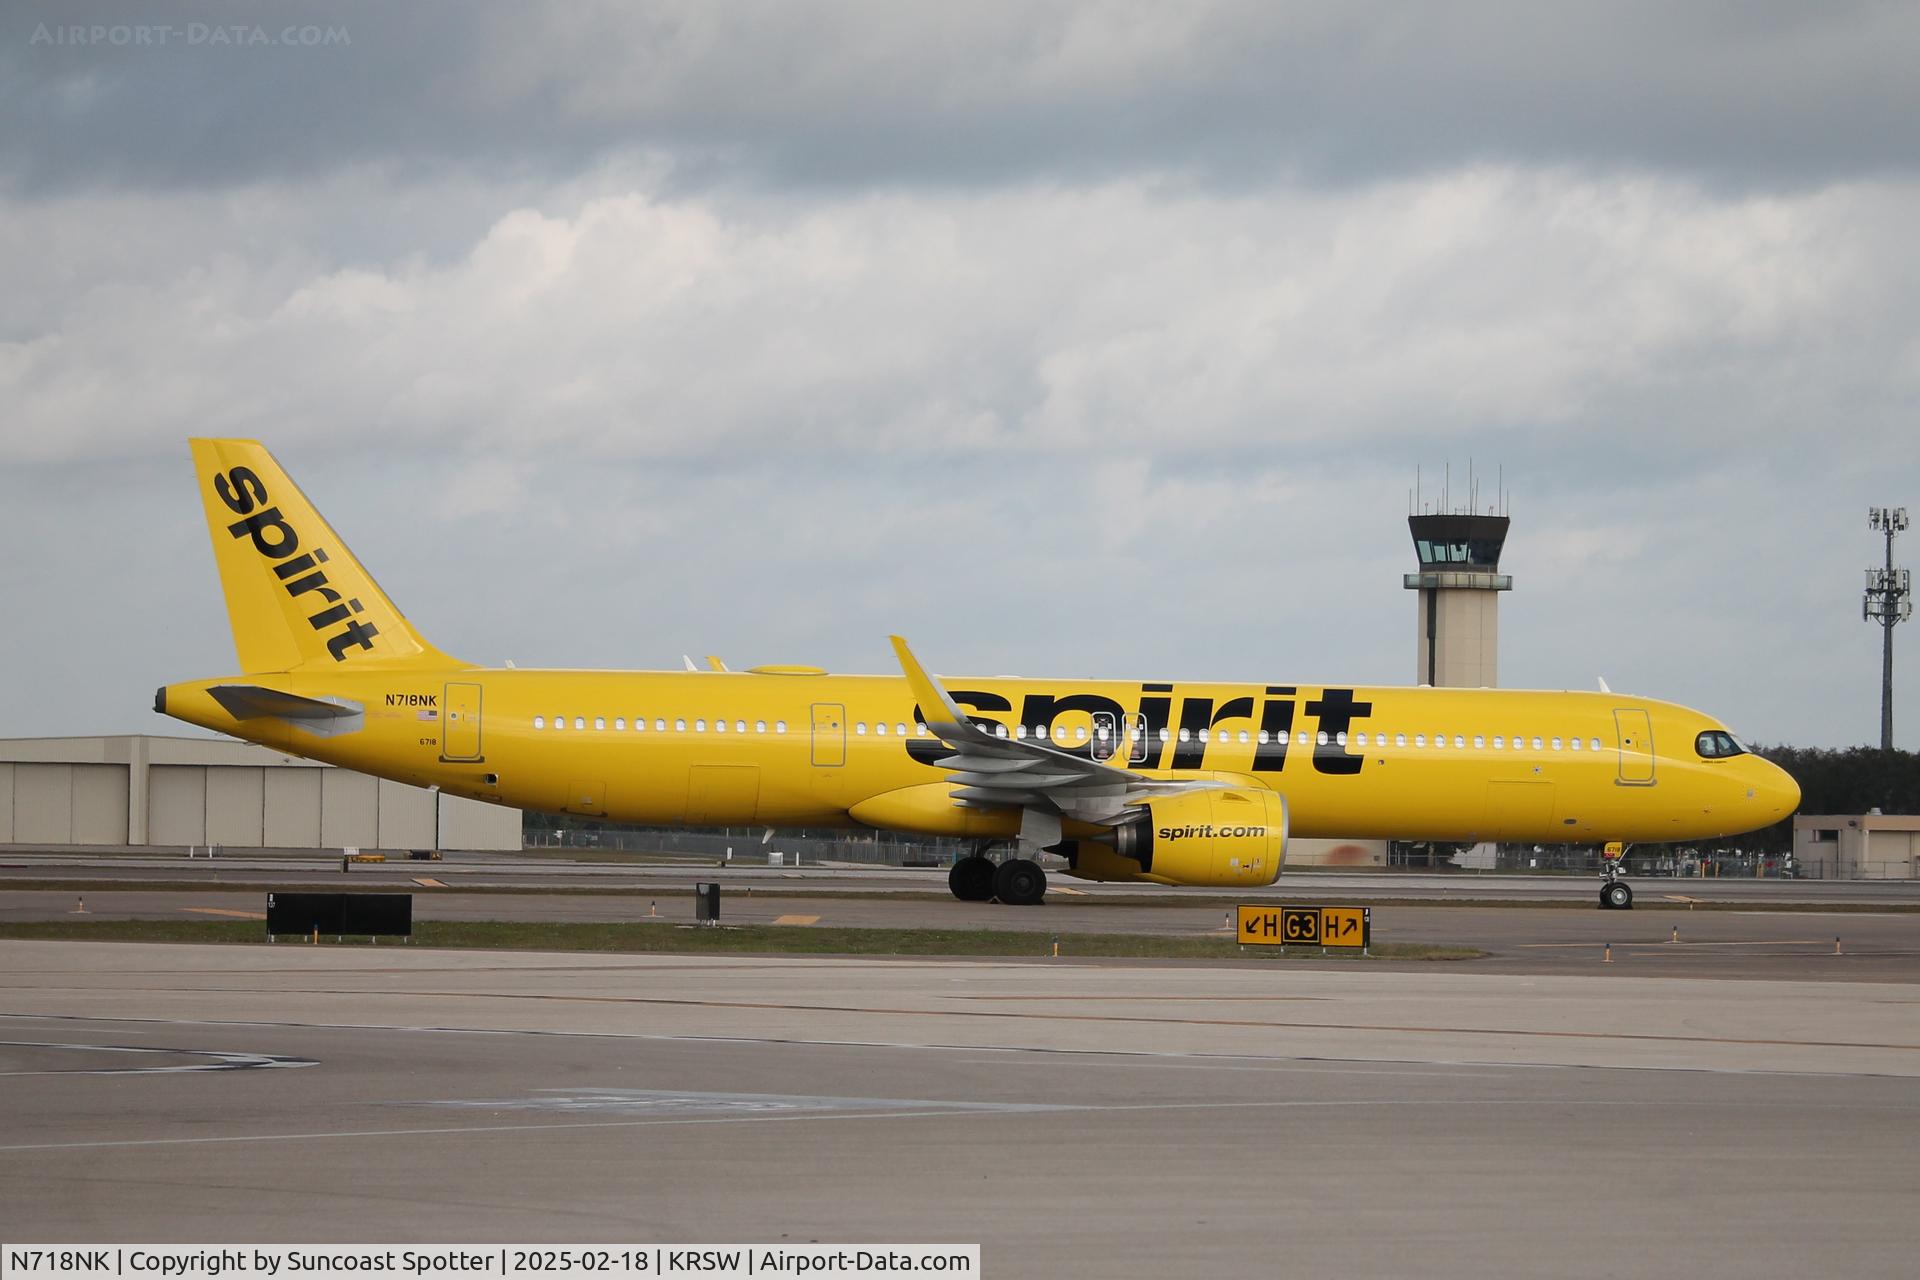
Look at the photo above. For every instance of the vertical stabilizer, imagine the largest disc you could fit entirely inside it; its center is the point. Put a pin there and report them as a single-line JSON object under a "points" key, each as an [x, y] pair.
{"points": [[296, 596]]}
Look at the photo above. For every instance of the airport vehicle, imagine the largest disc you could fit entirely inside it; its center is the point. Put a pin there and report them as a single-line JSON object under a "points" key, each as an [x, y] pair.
{"points": [[1170, 783]]}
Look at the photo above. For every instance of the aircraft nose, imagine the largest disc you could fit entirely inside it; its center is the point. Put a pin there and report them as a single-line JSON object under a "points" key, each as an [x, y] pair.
{"points": [[1777, 790]]}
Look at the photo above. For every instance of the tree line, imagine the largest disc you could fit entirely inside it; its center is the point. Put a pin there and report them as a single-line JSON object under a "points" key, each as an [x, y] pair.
{"points": [[1840, 780]]}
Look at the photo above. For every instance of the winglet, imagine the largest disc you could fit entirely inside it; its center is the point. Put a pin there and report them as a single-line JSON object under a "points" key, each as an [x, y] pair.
{"points": [[1603, 685], [714, 663], [927, 691]]}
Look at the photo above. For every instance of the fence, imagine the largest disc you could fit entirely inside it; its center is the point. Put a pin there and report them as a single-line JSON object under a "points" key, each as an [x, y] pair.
{"points": [[747, 844]]}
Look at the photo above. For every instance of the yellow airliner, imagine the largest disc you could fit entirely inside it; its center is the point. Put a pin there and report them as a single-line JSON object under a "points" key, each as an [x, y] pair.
{"points": [[1161, 782]]}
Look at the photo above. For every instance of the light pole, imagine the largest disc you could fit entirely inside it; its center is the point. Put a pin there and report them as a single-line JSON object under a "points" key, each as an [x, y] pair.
{"points": [[1889, 601]]}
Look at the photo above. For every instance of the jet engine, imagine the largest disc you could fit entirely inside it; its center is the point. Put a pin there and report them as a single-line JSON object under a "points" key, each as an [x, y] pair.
{"points": [[1224, 838]]}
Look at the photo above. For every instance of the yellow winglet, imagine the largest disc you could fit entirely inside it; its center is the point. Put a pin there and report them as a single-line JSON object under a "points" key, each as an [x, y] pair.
{"points": [[926, 690]]}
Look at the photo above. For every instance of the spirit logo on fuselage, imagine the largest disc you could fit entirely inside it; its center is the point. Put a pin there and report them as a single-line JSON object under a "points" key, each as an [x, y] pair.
{"points": [[1185, 744], [278, 542]]}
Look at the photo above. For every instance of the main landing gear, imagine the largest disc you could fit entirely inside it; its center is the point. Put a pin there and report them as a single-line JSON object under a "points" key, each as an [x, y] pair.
{"points": [[1018, 882]]}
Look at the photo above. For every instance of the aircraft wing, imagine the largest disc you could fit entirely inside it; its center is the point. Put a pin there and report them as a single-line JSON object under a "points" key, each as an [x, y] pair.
{"points": [[991, 771]]}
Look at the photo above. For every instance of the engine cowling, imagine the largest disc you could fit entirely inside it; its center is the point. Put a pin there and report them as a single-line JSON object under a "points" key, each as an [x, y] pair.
{"points": [[1224, 838]]}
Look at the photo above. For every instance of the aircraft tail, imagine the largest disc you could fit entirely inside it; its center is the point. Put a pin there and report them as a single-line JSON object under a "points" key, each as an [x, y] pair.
{"points": [[295, 595]]}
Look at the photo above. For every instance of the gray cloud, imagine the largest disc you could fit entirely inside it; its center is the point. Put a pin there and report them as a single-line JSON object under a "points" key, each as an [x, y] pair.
{"points": [[1229, 94], [1102, 341]]}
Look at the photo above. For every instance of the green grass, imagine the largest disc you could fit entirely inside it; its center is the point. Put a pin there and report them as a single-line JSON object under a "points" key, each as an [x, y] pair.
{"points": [[742, 940]]}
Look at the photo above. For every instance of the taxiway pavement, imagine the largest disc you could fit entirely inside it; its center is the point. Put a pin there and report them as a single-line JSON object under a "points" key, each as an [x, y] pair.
{"points": [[1078, 1120]]}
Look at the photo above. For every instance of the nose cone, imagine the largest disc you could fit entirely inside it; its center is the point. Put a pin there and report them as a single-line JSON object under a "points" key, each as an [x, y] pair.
{"points": [[1776, 790]]}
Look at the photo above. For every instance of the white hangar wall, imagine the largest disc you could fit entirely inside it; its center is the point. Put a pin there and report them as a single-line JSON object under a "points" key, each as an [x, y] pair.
{"points": [[140, 791]]}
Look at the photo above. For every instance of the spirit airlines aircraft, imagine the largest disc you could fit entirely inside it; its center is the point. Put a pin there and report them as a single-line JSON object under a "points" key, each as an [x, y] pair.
{"points": [[1167, 783]]}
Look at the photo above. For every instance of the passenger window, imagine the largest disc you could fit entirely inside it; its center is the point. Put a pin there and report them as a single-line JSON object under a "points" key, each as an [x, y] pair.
{"points": [[1002, 728], [880, 727], [1263, 737], [1243, 735], [1399, 739], [1164, 735], [759, 726], [1594, 743], [739, 726], [1499, 743], [619, 724], [679, 726], [1079, 735], [1020, 732], [1556, 744], [1537, 745], [600, 723], [1419, 739], [719, 726], [779, 726], [539, 722], [699, 726], [1479, 743], [559, 722], [659, 726], [919, 729], [1202, 735], [1341, 737], [1303, 738], [861, 727], [1186, 735], [1574, 743], [900, 730]]}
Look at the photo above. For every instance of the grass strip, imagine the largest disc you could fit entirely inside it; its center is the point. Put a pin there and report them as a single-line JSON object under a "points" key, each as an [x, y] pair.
{"points": [[731, 940]]}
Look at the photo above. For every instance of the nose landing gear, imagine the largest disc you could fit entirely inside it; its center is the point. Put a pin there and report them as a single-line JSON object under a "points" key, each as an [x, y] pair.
{"points": [[1616, 893]]}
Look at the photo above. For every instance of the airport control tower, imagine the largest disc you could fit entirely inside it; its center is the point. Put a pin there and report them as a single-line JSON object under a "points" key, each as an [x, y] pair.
{"points": [[1459, 584]]}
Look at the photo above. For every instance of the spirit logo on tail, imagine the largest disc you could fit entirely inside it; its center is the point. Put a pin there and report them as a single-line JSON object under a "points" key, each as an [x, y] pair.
{"points": [[244, 495]]}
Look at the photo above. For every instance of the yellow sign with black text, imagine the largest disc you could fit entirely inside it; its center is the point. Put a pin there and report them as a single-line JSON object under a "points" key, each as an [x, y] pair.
{"points": [[1305, 926]]}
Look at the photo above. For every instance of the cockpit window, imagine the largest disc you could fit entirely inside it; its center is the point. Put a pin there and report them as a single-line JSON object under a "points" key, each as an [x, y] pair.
{"points": [[1716, 744]]}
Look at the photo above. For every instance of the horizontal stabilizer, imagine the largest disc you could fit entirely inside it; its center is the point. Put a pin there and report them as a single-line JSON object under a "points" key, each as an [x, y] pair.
{"points": [[251, 702]]}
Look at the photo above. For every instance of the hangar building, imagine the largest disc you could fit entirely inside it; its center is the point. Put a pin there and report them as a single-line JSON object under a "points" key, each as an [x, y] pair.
{"points": [[142, 791]]}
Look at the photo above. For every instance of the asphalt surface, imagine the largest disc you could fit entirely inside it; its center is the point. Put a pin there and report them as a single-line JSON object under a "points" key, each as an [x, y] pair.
{"points": [[509, 871], [1077, 1120], [1848, 945]]}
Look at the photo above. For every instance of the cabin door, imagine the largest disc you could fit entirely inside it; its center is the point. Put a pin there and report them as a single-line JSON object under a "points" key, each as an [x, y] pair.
{"points": [[460, 723], [1636, 746]]}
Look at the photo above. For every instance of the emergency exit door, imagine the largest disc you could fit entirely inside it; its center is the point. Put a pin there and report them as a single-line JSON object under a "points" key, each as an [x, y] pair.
{"points": [[829, 734]]}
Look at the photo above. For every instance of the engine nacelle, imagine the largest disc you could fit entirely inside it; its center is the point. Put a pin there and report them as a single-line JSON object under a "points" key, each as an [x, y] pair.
{"points": [[1224, 838]]}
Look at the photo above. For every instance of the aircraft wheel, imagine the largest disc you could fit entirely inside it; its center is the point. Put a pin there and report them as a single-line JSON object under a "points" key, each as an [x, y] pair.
{"points": [[1020, 883], [971, 879], [1618, 895]]}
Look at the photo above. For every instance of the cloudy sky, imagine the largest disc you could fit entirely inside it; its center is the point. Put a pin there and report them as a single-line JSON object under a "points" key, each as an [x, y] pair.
{"points": [[1064, 338]]}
